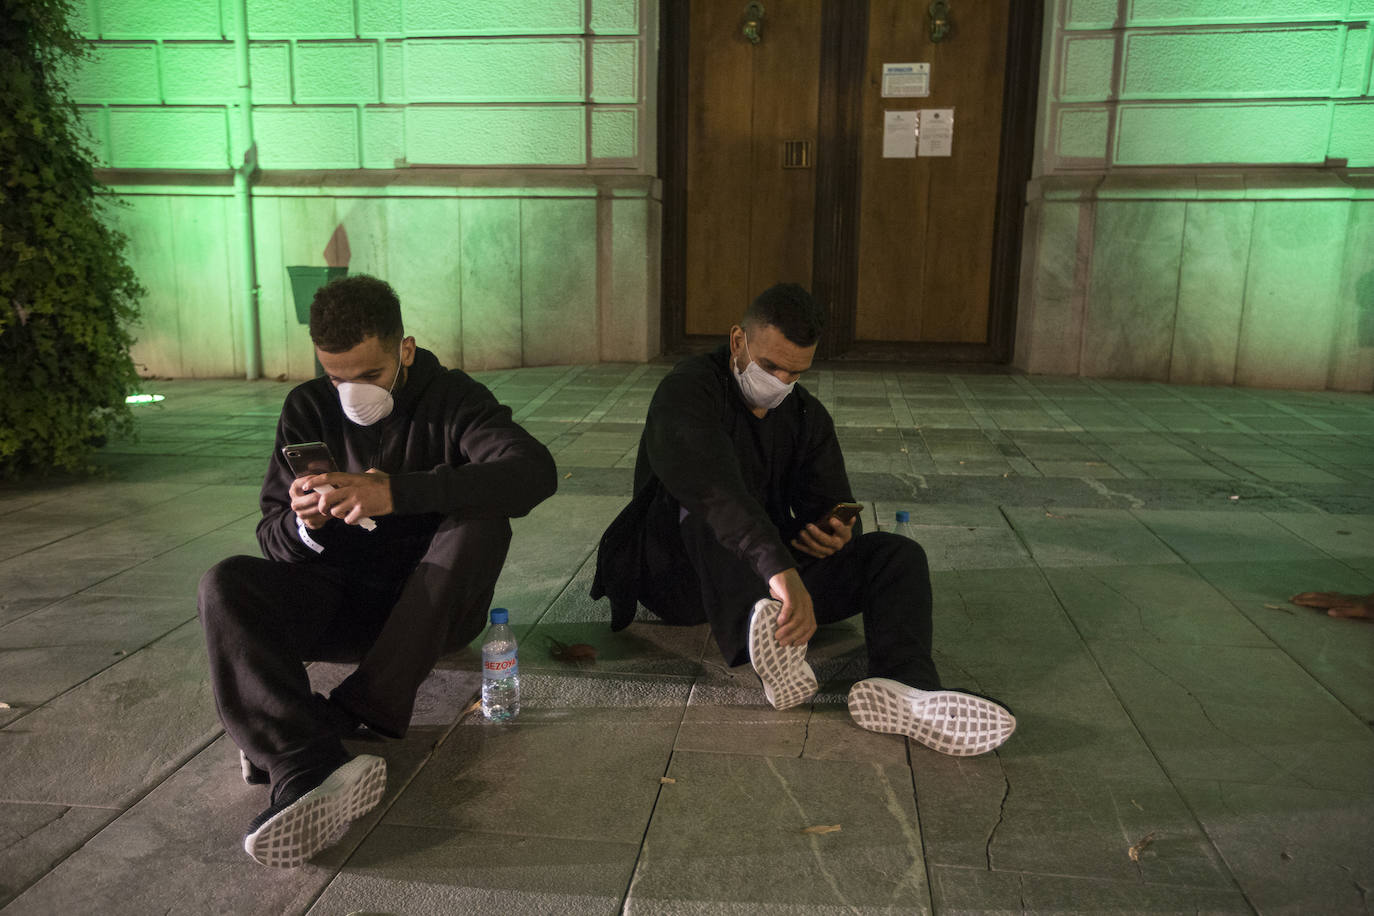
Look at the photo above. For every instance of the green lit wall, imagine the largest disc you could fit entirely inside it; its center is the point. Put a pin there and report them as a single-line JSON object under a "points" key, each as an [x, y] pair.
{"points": [[493, 160], [1202, 209]]}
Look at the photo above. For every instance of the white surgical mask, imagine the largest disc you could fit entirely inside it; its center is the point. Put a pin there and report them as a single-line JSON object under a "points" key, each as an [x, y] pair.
{"points": [[762, 390], [366, 404]]}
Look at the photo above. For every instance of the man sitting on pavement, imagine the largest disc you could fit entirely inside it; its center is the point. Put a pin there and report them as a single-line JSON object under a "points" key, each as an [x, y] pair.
{"points": [[440, 467], [737, 471]]}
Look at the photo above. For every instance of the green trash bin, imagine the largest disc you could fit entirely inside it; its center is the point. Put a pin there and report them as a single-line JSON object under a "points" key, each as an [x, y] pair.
{"points": [[305, 281]]}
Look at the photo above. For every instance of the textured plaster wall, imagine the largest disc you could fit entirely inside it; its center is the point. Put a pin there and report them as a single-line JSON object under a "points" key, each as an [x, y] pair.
{"points": [[385, 106], [1203, 199]]}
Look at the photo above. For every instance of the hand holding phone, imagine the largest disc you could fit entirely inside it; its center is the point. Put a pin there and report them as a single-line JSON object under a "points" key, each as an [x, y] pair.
{"points": [[309, 458], [845, 512]]}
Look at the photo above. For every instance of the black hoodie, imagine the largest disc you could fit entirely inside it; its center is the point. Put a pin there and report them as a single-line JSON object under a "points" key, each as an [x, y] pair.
{"points": [[449, 447]]}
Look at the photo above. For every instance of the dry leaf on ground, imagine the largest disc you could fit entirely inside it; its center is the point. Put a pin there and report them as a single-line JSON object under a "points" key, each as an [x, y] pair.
{"points": [[822, 828], [577, 652], [1135, 851], [666, 780]]}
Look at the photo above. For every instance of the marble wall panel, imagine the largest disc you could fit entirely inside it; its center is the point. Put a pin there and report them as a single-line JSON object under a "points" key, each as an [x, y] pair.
{"points": [[147, 223], [423, 239], [1129, 319], [1352, 349], [558, 257], [1051, 322], [489, 282], [306, 224], [629, 306], [1211, 292], [1291, 293]]}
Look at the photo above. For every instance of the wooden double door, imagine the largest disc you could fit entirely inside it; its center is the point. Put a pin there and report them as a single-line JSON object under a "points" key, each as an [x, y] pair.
{"points": [[776, 169]]}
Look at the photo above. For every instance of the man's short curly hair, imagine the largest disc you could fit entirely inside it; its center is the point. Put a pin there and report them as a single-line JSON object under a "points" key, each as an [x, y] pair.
{"points": [[349, 310], [789, 308]]}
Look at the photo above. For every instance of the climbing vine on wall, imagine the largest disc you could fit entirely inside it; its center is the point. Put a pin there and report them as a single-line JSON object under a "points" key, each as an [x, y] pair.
{"points": [[67, 295]]}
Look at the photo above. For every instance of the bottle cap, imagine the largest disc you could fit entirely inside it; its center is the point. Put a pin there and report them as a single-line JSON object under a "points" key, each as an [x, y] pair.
{"points": [[903, 516], [500, 615]]}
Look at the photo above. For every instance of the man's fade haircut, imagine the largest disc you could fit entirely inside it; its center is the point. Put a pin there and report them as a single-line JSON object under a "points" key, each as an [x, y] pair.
{"points": [[349, 310], [789, 308]]}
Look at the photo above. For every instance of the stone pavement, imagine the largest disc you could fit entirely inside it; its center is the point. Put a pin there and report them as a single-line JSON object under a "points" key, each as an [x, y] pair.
{"points": [[1111, 559]]}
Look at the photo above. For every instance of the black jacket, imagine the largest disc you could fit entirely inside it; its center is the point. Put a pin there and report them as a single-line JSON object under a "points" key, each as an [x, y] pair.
{"points": [[449, 446], [755, 481]]}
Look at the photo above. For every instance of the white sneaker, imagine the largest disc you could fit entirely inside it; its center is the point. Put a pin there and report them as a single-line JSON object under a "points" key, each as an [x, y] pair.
{"points": [[787, 679], [954, 723], [284, 836]]}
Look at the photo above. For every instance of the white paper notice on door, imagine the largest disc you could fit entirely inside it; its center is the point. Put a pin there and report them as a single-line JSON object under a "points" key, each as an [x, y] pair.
{"points": [[906, 81], [899, 135], [935, 128]]}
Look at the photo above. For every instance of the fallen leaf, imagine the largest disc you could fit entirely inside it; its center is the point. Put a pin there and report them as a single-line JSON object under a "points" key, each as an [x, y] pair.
{"points": [[4, 706], [666, 780], [822, 828], [577, 652], [1235, 497], [1135, 851], [1342, 532], [1286, 856], [569, 474], [471, 707], [1137, 804]]}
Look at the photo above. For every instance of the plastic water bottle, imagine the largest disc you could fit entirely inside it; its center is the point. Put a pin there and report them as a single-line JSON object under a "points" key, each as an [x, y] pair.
{"points": [[500, 670], [903, 526]]}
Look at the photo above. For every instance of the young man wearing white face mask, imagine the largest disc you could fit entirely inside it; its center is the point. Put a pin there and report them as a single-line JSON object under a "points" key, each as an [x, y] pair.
{"points": [[439, 467], [737, 471]]}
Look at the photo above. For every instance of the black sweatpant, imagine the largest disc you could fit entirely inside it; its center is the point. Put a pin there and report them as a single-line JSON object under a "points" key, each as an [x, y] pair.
{"points": [[264, 619], [883, 576]]}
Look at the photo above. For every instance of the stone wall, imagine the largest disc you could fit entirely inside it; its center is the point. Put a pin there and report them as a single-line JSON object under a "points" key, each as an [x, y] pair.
{"points": [[1203, 203], [494, 160]]}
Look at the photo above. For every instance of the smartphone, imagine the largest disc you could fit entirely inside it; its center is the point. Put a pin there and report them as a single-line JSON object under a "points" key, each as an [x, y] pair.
{"points": [[845, 512], [308, 458]]}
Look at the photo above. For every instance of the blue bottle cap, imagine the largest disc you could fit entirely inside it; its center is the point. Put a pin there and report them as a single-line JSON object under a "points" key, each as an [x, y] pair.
{"points": [[500, 615], [903, 516]]}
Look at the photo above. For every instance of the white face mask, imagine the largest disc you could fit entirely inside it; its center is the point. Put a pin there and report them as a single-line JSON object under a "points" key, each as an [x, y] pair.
{"points": [[762, 390], [366, 404]]}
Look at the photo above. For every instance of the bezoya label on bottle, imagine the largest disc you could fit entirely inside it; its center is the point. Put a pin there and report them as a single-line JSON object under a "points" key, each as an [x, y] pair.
{"points": [[500, 667]]}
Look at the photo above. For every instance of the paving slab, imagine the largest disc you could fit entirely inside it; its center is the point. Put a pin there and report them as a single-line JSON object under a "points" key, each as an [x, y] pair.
{"points": [[1170, 603], [582, 761], [973, 892], [1087, 537], [107, 741], [548, 547], [1225, 536], [428, 871], [35, 837], [727, 836], [1336, 535], [1241, 714], [1293, 850], [1337, 653]]}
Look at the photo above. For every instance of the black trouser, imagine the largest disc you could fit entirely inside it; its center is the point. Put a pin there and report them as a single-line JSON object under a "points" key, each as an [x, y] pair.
{"points": [[265, 619], [883, 576]]}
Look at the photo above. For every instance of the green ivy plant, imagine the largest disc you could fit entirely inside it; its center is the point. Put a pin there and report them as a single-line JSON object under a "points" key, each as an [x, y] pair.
{"points": [[67, 296]]}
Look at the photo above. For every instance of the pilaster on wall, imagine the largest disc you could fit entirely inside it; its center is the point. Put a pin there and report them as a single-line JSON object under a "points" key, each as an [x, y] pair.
{"points": [[1203, 207]]}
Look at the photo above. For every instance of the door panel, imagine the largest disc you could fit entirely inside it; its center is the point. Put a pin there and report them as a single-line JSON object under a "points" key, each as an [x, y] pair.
{"points": [[749, 220], [926, 224]]}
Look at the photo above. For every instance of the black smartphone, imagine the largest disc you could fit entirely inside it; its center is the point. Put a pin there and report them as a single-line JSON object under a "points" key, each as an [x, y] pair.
{"points": [[306, 458], [845, 512]]}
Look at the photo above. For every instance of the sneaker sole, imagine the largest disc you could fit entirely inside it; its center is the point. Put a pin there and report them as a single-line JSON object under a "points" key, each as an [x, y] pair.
{"points": [[787, 679], [320, 817], [953, 723]]}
